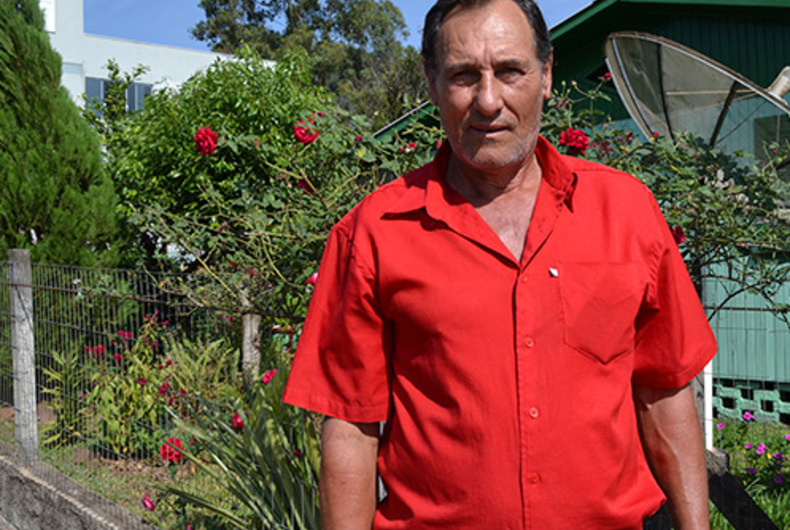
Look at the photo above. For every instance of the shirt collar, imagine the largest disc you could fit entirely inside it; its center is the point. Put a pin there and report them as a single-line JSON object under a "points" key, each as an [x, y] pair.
{"points": [[427, 188]]}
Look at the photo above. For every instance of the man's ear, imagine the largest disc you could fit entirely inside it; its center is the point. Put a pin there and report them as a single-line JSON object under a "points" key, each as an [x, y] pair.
{"points": [[547, 77], [430, 75]]}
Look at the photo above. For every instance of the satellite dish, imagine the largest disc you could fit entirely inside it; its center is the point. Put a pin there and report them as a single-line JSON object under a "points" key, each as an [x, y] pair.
{"points": [[668, 88]]}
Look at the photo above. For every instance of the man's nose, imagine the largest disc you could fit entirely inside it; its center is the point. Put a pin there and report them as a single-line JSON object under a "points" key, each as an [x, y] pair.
{"points": [[488, 100]]}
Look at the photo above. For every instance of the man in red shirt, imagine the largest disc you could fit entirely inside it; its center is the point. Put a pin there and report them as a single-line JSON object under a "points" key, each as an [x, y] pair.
{"points": [[521, 320]]}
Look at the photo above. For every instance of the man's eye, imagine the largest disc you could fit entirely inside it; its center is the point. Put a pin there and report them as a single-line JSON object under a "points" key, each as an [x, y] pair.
{"points": [[464, 76], [511, 73]]}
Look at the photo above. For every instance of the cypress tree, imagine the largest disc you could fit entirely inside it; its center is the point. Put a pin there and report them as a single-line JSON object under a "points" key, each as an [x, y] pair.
{"points": [[55, 197]]}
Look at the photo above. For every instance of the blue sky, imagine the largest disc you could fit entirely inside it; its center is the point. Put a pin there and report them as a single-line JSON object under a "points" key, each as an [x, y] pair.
{"points": [[168, 21]]}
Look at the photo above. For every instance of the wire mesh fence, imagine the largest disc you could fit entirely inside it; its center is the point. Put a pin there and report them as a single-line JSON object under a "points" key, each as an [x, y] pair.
{"points": [[117, 353]]}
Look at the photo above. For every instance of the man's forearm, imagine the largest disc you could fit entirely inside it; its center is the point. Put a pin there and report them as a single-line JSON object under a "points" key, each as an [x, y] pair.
{"points": [[672, 438], [348, 474]]}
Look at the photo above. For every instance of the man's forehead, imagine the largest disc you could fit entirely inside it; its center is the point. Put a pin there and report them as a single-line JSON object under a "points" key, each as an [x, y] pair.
{"points": [[498, 29]]}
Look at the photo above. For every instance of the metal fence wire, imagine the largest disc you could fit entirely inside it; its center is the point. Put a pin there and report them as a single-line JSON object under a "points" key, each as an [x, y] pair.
{"points": [[104, 340]]}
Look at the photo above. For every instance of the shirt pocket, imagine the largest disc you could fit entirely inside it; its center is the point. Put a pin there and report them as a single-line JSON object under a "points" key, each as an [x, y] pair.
{"points": [[600, 303]]}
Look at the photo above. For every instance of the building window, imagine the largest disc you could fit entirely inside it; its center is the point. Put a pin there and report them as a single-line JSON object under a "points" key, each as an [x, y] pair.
{"points": [[96, 91]]}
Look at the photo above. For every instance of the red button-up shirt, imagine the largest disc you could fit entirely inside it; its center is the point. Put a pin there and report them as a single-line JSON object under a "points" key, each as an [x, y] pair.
{"points": [[506, 384]]}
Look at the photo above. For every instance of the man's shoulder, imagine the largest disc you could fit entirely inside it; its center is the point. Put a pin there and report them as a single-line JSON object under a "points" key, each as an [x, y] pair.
{"points": [[403, 193], [595, 174]]}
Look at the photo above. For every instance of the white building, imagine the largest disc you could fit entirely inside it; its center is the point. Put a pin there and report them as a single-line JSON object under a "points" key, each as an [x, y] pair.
{"points": [[85, 56]]}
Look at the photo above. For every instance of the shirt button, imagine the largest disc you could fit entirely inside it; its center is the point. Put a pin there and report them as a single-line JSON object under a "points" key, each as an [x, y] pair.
{"points": [[524, 278], [534, 412], [534, 477], [529, 342]]}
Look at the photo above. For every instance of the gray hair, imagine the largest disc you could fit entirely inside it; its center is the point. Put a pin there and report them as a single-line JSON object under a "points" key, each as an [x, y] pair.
{"points": [[437, 14]]}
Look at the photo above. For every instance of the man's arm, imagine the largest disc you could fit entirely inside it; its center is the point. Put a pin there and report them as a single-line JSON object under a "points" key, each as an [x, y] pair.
{"points": [[672, 438], [348, 474]]}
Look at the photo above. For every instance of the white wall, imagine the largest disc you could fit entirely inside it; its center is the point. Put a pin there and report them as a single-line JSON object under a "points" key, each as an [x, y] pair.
{"points": [[87, 55]]}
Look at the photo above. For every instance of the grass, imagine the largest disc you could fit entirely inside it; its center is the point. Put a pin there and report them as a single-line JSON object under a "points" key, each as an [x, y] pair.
{"points": [[125, 482]]}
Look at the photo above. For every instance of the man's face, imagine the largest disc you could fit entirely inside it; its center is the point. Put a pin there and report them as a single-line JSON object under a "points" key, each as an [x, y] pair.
{"points": [[489, 85]]}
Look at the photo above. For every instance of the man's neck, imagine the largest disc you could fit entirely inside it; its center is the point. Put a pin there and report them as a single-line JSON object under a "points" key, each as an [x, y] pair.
{"points": [[479, 186], [505, 201]]}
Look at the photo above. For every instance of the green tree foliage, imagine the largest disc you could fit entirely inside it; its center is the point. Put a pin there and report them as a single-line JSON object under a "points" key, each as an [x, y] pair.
{"points": [[55, 196], [353, 47]]}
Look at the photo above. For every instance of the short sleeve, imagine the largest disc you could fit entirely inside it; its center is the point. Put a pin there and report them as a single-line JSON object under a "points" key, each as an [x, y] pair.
{"points": [[340, 368], [674, 340]]}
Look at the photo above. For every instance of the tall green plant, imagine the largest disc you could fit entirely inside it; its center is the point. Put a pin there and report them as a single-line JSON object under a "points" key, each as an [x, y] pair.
{"points": [[262, 453], [56, 200]]}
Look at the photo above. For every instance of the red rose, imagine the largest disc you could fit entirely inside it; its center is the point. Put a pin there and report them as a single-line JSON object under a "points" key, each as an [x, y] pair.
{"points": [[205, 141], [607, 76], [679, 235], [304, 131], [575, 140], [237, 422], [169, 452]]}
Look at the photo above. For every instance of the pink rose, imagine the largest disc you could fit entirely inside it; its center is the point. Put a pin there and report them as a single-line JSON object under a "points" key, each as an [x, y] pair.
{"points": [[237, 422], [268, 376], [148, 504]]}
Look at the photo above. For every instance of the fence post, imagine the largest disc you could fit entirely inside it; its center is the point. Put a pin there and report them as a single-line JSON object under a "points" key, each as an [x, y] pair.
{"points": [[251, 340], [23, 351]]}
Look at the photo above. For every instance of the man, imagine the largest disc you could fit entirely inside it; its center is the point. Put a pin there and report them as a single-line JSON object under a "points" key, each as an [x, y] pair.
{"points": [[520, 320]]}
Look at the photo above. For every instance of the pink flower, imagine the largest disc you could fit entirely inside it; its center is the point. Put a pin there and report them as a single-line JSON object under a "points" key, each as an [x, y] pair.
{"points": [[607, 76], [205, 141], [236, 422], [169, 451], [312, 279], [656, 134], [720, 426], [117, 357], [438, 144], [99, 350], [148, 504], [358, 138], [680, 238], [747, 445], [164, 388], [748, 416], [142, 381], [305, 132], [125, 335], [575, 140], [268, 376], [787, 437], [761, 449]]}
